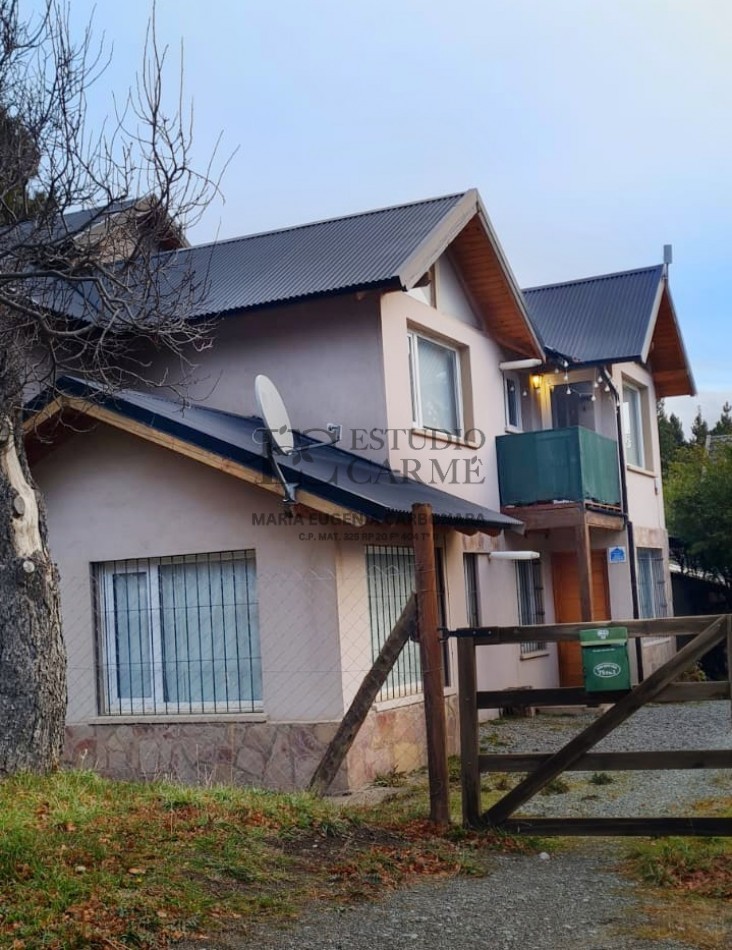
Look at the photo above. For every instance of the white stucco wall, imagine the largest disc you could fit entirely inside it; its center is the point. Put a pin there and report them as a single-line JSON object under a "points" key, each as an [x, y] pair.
{"points": [[474, 474], [325, 357], [111, 496]]}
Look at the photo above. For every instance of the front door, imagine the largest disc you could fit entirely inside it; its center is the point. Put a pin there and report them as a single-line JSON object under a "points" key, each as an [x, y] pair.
{"points": [[568, 609]]}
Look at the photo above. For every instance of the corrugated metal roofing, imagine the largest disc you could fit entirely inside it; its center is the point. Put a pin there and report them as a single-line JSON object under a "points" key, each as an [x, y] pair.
{"points": [[331, 473], [360, 250], [599, 319]]}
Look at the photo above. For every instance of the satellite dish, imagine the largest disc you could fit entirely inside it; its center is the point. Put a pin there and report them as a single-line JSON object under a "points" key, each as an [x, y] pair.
{"points": [[280, 440], [274, 415]]}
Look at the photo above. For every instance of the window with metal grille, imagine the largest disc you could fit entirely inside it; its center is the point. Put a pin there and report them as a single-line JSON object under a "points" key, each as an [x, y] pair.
{"points": [[530, 588], [652, 597], [179, 634], [390, 573], [472, 593]]}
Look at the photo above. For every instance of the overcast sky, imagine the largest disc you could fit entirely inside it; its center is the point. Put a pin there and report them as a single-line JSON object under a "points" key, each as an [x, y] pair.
{"points": [[595, 132]]}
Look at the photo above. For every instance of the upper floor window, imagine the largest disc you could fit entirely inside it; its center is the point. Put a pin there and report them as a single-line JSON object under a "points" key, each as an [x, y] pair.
{"points": [[633, 426], [434, 374], [512, 394]]}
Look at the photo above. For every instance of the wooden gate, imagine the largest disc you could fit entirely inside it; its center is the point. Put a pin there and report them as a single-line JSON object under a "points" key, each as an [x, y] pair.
{"points": [[660, 686]]}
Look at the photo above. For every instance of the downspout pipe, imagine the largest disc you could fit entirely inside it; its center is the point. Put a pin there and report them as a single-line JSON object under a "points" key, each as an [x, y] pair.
{"points": [[628, 523]]}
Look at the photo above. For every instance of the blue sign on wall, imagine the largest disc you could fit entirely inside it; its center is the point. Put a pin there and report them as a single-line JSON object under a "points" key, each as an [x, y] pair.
{"points": [[617, 555]]}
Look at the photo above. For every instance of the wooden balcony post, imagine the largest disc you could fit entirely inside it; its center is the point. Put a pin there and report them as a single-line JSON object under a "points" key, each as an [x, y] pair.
{"points": [[584, 563]]}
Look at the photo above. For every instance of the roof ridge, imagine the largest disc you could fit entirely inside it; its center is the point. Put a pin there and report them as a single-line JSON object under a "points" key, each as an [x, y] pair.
{"points": [[321, 221], [587, 280]]}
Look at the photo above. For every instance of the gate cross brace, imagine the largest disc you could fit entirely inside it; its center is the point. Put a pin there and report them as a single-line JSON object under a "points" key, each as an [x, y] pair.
{"points": [[643, 693]]}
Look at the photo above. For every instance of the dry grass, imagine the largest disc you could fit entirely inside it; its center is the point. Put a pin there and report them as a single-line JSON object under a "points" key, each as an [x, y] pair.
{"points": [[86, 862]]}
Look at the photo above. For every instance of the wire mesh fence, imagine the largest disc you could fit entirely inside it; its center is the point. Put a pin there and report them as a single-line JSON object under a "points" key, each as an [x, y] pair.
{"points": [[215, 667]]}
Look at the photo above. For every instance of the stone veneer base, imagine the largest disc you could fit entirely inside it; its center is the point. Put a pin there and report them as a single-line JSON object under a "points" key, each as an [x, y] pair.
{"points": [[264, 754]]}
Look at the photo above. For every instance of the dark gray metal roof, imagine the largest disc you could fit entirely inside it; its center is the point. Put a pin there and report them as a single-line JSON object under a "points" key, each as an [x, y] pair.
{"points": [[599, 319], [358, 251], [328, 472]]}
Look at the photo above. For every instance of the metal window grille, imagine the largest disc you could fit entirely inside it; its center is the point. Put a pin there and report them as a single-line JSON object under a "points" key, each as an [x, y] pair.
{"points": [[179, 635], [652, 592], [530, 587], [470, 565], [390, 574]]}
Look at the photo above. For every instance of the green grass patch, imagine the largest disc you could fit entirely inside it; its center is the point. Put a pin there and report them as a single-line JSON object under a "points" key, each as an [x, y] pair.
{"points": [[86, 862], [699, 866]]}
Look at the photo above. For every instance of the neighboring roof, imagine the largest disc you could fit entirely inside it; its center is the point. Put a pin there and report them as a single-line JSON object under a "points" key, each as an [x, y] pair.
{"points": [[326, 472], [387, 249], [615, 318]]}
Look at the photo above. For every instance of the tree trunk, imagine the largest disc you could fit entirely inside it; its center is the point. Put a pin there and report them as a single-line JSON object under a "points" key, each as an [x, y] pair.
{"points": [[32, 655]]}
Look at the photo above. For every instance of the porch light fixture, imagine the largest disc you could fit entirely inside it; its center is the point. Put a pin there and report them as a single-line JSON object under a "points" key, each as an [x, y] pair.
{"points": [[536, 381], [513, 555]]}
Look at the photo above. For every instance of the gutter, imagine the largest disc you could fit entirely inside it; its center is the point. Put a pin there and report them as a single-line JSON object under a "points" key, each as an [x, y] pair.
{"points": [[628, 523]]}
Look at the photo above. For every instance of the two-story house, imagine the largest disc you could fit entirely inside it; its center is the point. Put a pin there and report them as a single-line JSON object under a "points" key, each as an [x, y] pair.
{"points": [[214, 635]]}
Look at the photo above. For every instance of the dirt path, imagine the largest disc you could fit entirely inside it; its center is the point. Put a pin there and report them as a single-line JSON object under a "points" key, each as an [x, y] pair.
{"points": [[574, 900]]}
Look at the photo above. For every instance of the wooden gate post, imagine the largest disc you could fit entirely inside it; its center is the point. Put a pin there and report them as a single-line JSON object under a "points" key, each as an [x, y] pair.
{"points": [[431, 656], [469, 738]]}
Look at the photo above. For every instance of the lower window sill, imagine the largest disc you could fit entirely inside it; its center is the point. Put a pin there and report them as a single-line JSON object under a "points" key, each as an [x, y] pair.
{"points": [[167, 717], [534, 655]]}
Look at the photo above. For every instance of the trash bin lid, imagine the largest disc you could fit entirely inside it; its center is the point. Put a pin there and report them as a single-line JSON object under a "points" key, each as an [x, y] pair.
{"points": [[603, 635]]}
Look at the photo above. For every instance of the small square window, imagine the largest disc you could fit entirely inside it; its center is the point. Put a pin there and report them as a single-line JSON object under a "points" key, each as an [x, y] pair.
{"points": [[434, 375]]}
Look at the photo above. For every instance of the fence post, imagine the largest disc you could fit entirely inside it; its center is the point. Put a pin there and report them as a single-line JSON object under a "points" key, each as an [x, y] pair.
{"points": [[729, 657], [469, 742], [431, 657]]}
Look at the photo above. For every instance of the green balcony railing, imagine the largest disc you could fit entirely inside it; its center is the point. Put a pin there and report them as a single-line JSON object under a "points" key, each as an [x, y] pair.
{"points": [[573, 464]]}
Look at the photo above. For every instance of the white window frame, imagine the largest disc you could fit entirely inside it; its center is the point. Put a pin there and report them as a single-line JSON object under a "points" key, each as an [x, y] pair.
{"points": [[513, 378], [413, 338], [633, 425], [112, 703]]}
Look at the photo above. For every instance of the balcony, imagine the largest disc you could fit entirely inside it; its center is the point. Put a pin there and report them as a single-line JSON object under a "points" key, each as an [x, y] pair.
{"points": [[558, 465]]}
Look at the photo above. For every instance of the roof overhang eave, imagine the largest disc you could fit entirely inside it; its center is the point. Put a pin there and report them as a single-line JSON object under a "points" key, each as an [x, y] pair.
{"points": [[74, 394], [390, 283]]}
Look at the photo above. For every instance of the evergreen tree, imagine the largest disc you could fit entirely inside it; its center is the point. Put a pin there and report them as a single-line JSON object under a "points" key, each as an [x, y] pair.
{"points": [[724, 424], [671, 437], [699, 429]]}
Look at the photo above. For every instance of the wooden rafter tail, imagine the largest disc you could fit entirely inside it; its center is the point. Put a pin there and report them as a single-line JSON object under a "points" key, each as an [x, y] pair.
{"points": [[617, 714], [364, 699]]}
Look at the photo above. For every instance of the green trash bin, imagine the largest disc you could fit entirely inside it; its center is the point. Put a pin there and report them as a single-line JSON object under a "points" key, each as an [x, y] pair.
{"points": [[605, 663]]}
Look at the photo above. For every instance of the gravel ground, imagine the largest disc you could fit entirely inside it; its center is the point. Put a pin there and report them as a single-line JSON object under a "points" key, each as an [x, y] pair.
{"points": [[570, 900], [682, 726]]}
